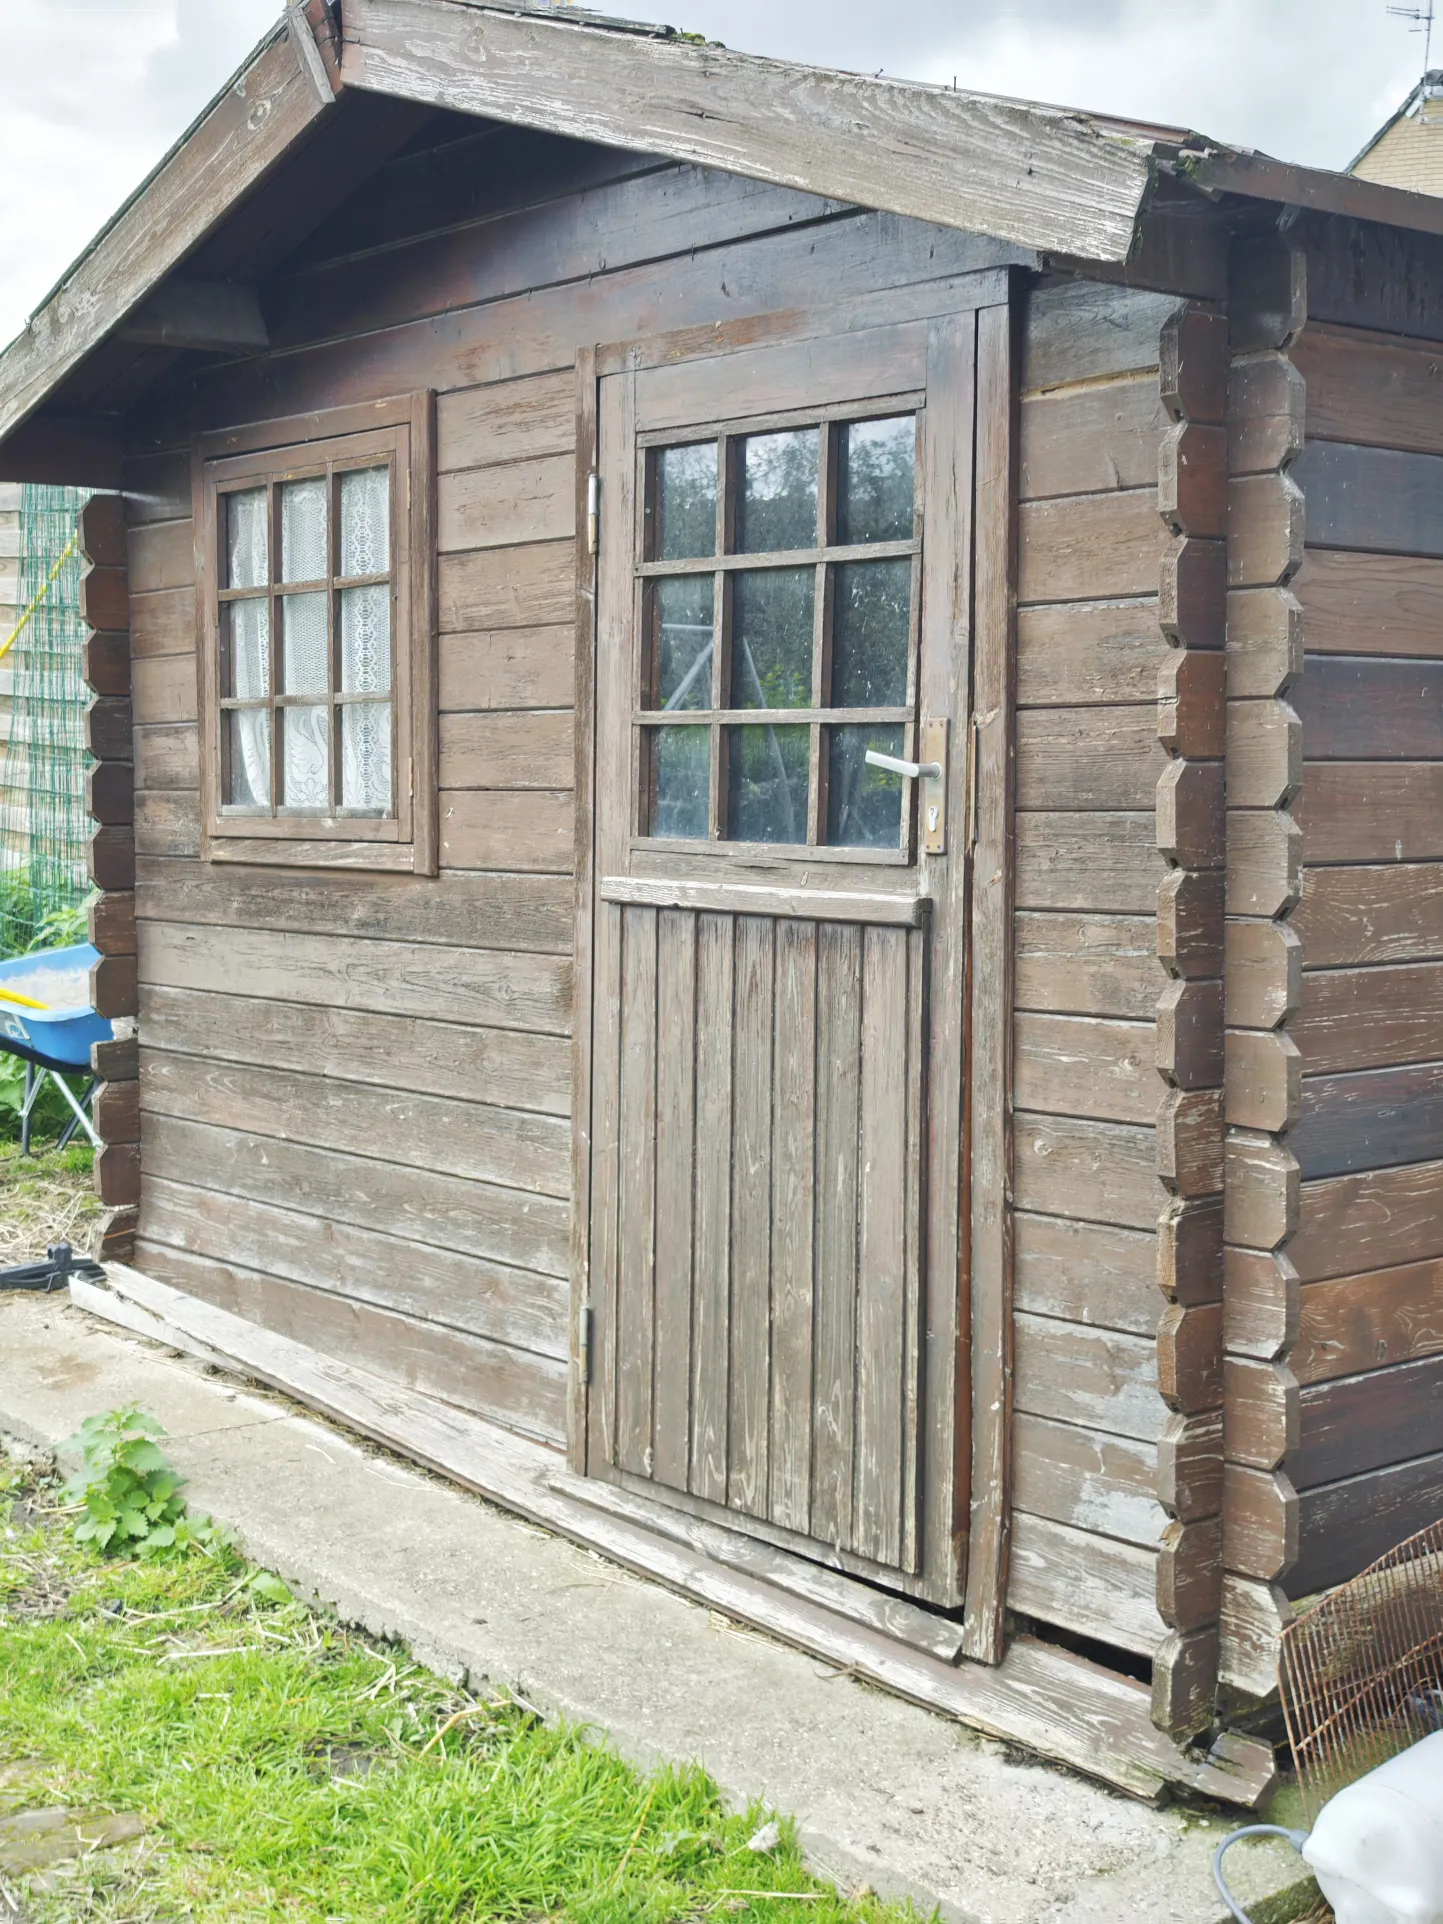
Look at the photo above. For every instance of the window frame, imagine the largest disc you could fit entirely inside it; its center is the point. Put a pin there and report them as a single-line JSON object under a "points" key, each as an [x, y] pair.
{"points": [[721, 567], [399, 433]]}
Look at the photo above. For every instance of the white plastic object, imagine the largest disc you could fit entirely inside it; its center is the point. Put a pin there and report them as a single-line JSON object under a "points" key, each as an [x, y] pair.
{"points": [[1377, 1847], [912, 770]]}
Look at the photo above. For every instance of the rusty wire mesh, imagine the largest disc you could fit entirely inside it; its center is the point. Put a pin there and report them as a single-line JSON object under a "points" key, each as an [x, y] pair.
{"points": [[1362, 1670]]}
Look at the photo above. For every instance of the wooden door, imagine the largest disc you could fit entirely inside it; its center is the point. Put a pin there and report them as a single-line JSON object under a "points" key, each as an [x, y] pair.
{"points": [[776, 1257]]}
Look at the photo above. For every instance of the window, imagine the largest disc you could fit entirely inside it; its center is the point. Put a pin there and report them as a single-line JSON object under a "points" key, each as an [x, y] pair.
{"points": [[778, 599], [319, 689]]}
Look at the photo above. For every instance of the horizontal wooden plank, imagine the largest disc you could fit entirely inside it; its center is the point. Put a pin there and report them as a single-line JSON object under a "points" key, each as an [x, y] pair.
{"points": [[1388, 912], [1088, 861], [1090, 547], [163, 688], [1370, 1018], [523, 587], [1379, 393], [1370, 811], [1374, 1119], [500, 1146], [1350, 1324], [167, 756], [1101, 1379], [1077, 330], [167, 822], [519, 1232], [508, 421], [1353, 1424], [1088, 758], [899, 911], [502, 1066], [1094, 1171], [1082, 1066], [1103, 965], [163, 624], [1366, 709], [1090, 1273], [532, 500], [494, 829], [430, 1284], [1345, 1526], [1352, 1224], [487, 987], [1089, 1584], [1092, 439], [161, 555], [507, 668], [834, 369], [532, 913], [1370, 604], [1089, 653], [528, 1393], [531, 749], [1372, 500], [158, 487], [1103, 1484]]}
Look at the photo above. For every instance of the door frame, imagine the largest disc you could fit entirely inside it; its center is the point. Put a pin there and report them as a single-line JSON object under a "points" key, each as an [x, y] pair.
{"points": [[969, 1509]]}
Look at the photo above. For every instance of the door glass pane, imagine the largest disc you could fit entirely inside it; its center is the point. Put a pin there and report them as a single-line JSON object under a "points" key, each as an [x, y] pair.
{"points": [[248, 757], [303, 530], [767, 783], [247, 540], [681, 781], [686, 501], [778, 504], [871, 612], [772, 637], [877, 480], [305, 645], [305, 759], [365, 639], [366, 521], [864, 804], [366, 755], [682, 617], [249, 623]]}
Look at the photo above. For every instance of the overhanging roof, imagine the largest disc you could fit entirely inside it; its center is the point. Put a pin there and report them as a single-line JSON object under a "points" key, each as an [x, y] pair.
{"points": [[1047, 178]]}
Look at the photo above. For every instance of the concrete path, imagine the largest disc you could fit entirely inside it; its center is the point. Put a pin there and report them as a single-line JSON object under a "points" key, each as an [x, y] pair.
{"points": [[885, 1795]]}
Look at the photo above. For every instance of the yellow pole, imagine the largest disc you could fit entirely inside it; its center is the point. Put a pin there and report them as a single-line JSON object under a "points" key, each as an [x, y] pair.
{"points": [[23, 623]]}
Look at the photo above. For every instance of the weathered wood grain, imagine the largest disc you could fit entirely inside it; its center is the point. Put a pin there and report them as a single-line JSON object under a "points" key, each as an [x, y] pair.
{"points": [[1371, 709], [1265, 530], [1353, 1424], [1192, 482], [1265, 741], [167, 756], [525, 749], [1350, 1324], [1386, 394], [1371, 811], [1190, 703], [1264, 862], [1260, 1522], [1090, 547], [1372, 500], [1370, 604], [1190, 922], [1252, 1619], [497, 507], [1190, 1357], [1078, 964], [1190, 1141], [1088, 653], [1391, 912], [1260, 1304], [1264, 1080], [1369, 1018], [510, 668], [1077, 330], [1092, 439], [1082, 1272], [522, 420], [1261, 1193], [1088, 758], [1092, 1584], [161, 555], [1189, 1040], [1264, 642], [163, 688], [1266, 408], [1345, 1526], [1100, 1379], [1261, 1423], [497, 829], [1191, 829], [1088, 861], [529, 586], [1095, 1171], [1193, 370], [1262, 973], [1376, 1220], [1104, 1484], [1374, 1119]]}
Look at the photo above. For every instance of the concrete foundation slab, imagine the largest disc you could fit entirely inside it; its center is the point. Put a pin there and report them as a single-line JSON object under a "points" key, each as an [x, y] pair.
{"points": [[885, 1794]]}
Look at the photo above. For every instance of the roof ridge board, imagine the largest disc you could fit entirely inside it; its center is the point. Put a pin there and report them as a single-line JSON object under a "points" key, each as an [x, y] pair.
{"points": [[563, 14]]}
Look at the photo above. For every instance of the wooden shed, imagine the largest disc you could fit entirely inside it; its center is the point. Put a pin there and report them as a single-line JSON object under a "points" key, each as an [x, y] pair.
{"points": [[982, 1223]]}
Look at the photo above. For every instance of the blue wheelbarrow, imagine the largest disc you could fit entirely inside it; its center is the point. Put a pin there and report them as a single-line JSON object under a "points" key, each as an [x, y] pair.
{"points": [[46, 1019]]}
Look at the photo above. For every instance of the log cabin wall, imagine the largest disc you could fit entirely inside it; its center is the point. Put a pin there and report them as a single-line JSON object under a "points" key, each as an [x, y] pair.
{"points": [[355, 1088], [1117, 1167]]}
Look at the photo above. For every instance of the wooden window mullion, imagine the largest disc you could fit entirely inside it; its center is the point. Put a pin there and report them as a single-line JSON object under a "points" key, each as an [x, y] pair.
{"points": [[333, 632], [273, 574]]}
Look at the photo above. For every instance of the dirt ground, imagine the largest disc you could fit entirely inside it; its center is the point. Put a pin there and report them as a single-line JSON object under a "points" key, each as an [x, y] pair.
{"points": [[46, 1198]]}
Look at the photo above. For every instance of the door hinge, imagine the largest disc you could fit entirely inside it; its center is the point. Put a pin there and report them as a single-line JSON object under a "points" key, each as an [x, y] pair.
{"points": [[583, 1344], [593, 511]]}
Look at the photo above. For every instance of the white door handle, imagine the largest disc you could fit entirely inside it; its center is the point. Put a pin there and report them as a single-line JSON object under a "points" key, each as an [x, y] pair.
{"points": [[914, 771]]}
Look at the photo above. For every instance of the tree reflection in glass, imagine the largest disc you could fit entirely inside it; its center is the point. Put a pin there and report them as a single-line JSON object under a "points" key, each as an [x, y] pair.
{"points": [[877, 480], [777, 508], [767, 783], [872, 616], [686, 501], [681, 782], [864, 804], [772, 637], [682, 626]]}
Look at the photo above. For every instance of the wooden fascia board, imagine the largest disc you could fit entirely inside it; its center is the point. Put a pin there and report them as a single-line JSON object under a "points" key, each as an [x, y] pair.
{"points": [[1045, 178], [1313, 189], [244, 134]]}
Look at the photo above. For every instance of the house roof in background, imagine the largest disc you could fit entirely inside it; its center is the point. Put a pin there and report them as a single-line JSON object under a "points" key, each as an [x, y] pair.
{"points": [[1407, 150]]}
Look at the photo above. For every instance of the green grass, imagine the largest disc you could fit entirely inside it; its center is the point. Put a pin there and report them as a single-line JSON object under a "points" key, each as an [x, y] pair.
{"points": [[310, 1773]]}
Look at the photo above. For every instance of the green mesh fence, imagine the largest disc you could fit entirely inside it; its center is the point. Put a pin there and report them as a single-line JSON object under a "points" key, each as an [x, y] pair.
{"points": [[44, 821]]}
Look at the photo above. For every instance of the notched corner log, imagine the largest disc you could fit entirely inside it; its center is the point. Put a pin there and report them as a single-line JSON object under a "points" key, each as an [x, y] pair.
{"points": [[1262, 1306], [1264, 753], [1190, 1465], [1193, 365], [1190, 820], [1190, 1357], [107, 728], [1190, 1249], [1192, 593], [1262, 1413], [1190, 922], [117, 1174], [1260, 1207], [1253, 1617], [1184, 1681], [105, 659], [1262, 973], [1192, 479], [1267, 293], [1191, 703], [1263, 1080], [1265, 530], [1264, 863], [105, 598], [102, 532], [114, 986], [1190, 1141], [117, 1112], [112, 857], [1265, 642], [1190, 1033], [1267, 405], [110, 793], [1190, 1573], [1260, 1522], [112, 923]]}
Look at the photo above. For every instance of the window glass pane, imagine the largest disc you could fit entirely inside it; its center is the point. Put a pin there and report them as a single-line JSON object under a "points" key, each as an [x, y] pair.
{"points": [[247, 540], [877, 480], [366, 755], [772, 637], [305, 645], [365, 640], [778, 505], [871, 616], [366, 521], [682, 625], [767, 783], [250, 648], [248, 757], [686, 501], [864, 805], [681, 781], [303, 530], [306, 759]]}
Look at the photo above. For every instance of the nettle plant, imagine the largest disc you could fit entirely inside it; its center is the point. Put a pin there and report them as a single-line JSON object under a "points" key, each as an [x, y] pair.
{"points": [[130, 1494]]}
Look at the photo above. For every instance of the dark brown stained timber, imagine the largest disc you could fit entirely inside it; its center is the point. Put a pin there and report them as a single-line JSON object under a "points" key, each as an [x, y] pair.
{"points": [[1370, 1221], [1079, 964], [1366, 389], [1347, 1524], [1357, 1323], [1354, 1019], [1357, 1423], [1391, 912], [1366, 811], [1371, 710], [1373, 1119], [1377, 500]]}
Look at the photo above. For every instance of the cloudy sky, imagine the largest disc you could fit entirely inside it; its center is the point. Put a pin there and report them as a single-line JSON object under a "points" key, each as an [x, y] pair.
{"points": [[92, 92]]}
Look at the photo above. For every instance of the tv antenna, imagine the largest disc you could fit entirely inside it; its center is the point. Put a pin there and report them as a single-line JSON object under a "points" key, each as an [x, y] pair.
{"points": [[1422, 18]]}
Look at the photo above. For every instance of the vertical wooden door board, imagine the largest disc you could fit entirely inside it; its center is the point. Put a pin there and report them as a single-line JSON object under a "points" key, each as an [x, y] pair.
{"points": [[636, 1215], [712, 1256], [795, 1069], [750, 1428], [991, 1013], [839, 1057], [676, 1012], [583, 422]]}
